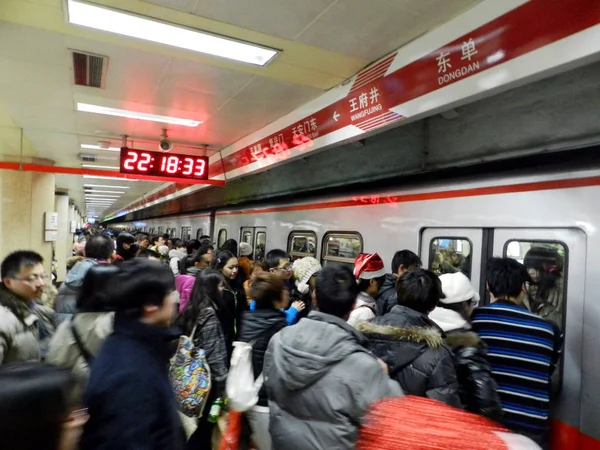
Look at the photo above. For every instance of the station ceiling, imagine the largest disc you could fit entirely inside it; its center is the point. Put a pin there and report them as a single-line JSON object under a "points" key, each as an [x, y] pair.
{"points": [[322, 43]]}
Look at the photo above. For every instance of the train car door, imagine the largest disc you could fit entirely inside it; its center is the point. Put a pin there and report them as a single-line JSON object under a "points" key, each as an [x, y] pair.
{"points": [[448, 250], [559, 254], [260, 243]]}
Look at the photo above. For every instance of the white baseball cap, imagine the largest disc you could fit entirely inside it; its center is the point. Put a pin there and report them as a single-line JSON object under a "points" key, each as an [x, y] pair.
{"points": [[457, 288]]}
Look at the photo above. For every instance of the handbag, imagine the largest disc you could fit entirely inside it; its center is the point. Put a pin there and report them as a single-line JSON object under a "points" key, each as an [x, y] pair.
{"points": [[190, 377]]}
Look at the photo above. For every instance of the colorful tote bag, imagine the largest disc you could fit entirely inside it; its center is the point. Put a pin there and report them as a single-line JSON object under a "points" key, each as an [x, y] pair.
{"points": [[190, 377]]}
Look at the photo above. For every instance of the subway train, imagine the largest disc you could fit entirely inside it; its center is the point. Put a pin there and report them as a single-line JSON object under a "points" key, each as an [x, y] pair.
{"points": [[474, 217]]}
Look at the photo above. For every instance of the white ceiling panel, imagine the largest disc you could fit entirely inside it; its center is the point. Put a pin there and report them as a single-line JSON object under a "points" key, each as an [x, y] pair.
{"points": [[33, 118], [180, 5], [32, 45], [36, 95], [34, 74], [371, 29], [284, 18], [60, 147]]}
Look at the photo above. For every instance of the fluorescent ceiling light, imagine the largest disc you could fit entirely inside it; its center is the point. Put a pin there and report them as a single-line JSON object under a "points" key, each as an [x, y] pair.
{"points": [[107, 178], [102, 196], [105, 186], [93, 166], [99, 202], [126, 24], [86, 107], [97, 147], [98, 191]]}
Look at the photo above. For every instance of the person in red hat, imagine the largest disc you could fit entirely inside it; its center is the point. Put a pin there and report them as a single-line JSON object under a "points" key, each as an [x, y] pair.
{"points": [[416, 423], [369, 272]]}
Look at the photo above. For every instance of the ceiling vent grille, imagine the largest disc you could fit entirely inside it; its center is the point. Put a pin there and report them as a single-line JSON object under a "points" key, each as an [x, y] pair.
{"points": [[89, 70]]}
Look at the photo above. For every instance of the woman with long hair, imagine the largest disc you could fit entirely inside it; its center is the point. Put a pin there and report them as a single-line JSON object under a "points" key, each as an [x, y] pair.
{"points": [[234, 298], [545, 292], [203, 313]]}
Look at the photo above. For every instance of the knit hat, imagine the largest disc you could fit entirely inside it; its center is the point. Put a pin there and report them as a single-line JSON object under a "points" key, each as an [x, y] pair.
{"points": [[457, 288], [368, 266], [245, 249], [304, 269], [419, 423], [163, 250]]}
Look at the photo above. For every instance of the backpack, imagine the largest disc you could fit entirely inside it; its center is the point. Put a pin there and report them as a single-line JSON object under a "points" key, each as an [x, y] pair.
{"points": [[241, 387], [190, 377]]}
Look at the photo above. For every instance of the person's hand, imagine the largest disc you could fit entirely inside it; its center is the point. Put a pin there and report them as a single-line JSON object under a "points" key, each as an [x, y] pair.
{"points": [[384, 366], [299, 305]]}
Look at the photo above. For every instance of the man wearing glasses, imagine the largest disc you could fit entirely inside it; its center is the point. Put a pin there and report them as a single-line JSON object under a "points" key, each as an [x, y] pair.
{"points": [[24, 323]]}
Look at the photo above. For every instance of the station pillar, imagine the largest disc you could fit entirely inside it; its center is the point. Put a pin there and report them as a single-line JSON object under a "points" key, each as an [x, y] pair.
{"points": [[26, 196], [61, 206]]}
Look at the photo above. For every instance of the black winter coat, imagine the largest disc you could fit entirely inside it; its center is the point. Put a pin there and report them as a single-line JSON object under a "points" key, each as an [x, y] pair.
{"points": [[129, 395], [413, 347], [477, 388], [230, 315], [387, 297], [261, 325]]}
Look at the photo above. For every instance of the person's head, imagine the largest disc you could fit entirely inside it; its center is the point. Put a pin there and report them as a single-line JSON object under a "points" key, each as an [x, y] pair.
{"points": [[270, 292], [405, 260], [95, 293], [231, 246], [207, 292], [245, 250], [179, 245], [201, 259], [369, 271], [157, 240], [23, 274], [143, 289], [305, 271], [226, 263], [506, 279], [459, 294], [336, 291], [125, 241], [36, 407], [419, 290], [258, 268], [192, 246], [100, 247], [163, 251], [278, 262], [143, 240]]}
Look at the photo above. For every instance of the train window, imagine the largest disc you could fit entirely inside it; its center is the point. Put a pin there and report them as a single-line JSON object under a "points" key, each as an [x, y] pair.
{"points": [[450, 255], [186, 233], [301, 244], [222, 237], [261, 244], [199, 233], [247, 237], [545, 261], [341, 248]]}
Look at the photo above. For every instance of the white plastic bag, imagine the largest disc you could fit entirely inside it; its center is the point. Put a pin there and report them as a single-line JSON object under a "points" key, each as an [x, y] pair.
{"points": [[241, 387]]}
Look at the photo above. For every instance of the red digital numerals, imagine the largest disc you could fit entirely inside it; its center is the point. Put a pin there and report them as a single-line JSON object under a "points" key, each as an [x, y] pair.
{"points": [[160, 164], [391, 201]]}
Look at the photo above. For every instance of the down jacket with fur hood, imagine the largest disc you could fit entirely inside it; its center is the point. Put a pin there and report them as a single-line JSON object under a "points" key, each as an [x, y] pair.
{"points": [[413, 347], [477, 388]]}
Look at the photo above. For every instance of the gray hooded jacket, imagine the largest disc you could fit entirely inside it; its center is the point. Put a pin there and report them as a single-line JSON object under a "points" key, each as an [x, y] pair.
{"points": [[66, 299], [321, 381]]}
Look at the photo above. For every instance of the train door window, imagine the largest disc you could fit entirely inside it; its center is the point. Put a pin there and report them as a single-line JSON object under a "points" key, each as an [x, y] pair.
{"points": [[260, 245], [545, 263], [199, 233], [450, 255], [246, 235], [161, 230], [302, 244], [222, 237], [341, 248], [186, 233]]}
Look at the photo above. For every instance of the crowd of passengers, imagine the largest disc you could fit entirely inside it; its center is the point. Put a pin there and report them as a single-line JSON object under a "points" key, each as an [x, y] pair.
{"points": [[350, 358]]}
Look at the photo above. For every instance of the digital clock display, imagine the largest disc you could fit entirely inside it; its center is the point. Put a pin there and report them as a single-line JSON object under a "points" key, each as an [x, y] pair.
{"points": [[159, 164]]}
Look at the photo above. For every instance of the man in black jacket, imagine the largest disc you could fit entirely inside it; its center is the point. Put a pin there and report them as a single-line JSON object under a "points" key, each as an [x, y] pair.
{"points": [[403, 261], [411, 344]]}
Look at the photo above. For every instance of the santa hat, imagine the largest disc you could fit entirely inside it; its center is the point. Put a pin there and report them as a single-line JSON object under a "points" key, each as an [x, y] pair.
{"points": [[304, 269], [419, 423], [368, 266]]}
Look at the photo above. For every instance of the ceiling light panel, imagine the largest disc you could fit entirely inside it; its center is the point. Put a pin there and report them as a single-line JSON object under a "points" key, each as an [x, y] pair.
{"points": [[104, 196], [97, 191], [94, 166], [105, 186], [98, 109], [107, 178], [118, 22], [97, 147]]}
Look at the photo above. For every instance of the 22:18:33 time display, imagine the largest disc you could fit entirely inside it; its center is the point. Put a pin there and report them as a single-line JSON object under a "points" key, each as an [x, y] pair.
{"points": [[160, 164]]}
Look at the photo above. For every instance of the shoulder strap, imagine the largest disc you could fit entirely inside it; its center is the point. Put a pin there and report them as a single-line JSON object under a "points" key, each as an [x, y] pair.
{"points": [[89, 359]]}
